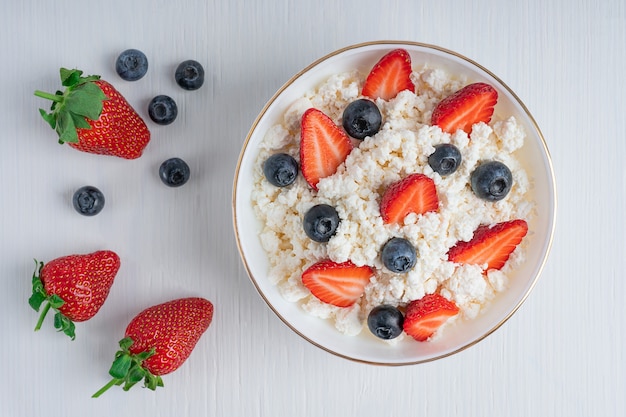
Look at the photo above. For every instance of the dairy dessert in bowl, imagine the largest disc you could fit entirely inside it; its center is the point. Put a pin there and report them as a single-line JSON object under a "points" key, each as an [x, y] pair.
{"points": [[357, 189]]}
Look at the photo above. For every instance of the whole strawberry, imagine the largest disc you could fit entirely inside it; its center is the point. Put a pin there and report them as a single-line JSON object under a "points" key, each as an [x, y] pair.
{"points": [[157, 341], [92, 116], [74, 286]]}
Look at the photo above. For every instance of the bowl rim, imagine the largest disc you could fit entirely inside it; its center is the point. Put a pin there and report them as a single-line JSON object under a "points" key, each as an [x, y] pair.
{"points": [[397, 43]]}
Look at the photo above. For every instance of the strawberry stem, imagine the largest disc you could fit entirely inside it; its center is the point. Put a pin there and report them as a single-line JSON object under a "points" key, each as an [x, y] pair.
{"points": [[82, 100], [42, 316], [40, 298], [127, 368], [114, 381], [49, 96]]}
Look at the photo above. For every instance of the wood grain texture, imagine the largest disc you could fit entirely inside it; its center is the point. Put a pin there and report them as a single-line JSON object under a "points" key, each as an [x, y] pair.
{"points": [[561, 354]]}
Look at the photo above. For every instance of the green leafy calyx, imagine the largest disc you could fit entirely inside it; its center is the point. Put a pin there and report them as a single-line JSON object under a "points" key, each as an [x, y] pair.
{"points": [[81, 100], [127, 369], [40, 300]]}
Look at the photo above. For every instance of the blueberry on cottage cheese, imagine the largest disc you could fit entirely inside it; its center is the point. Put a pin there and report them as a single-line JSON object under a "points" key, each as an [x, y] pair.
{"points": [[280, 169], [131, 65], [385, 322], [174, 172], [445, 160], [491, 181], [361, 118], [162, 110], [399, 255], [88, 200], [321, 222], [189, 75]]}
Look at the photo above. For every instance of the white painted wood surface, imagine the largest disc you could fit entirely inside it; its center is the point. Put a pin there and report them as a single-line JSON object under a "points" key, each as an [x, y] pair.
{"points": [[562, 353]]}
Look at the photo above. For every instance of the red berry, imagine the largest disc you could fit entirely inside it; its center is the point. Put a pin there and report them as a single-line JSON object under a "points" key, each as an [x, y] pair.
{"points": [[416, 193], [390, 75], [75, 286], [323, 146], [339, 284], [426, 315], [491, 245], [472, 104]]}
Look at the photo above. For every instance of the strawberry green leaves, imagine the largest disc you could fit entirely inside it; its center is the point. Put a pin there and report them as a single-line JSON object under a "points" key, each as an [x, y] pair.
{"points": [[39, 298], [127, 369], [81, 100]]}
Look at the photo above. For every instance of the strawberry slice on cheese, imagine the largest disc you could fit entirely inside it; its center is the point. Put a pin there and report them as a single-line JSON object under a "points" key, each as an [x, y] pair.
{"points": [[390, 75], [323, 146], [491, 245], [339, 284], [472, 104]]}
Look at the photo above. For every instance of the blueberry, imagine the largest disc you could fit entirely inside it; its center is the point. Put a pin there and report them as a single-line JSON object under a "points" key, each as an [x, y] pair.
{"points": [[385, 322], [174, 172], [131, 65], [189, 75], [88, 200], [399, 255], [280, 169], [162, 110], [491, 181], [321, 222], [445, 160], [361, 118]]}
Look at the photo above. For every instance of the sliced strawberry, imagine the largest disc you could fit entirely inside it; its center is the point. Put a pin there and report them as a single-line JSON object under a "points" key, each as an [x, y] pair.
{"points": [[426, 315], [339, 284], [490, 245], [472, 104], [416, 193], [389, 76], [323, 146]]}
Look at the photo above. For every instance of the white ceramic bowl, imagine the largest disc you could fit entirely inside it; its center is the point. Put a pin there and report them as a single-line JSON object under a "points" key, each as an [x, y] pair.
{"points": [[366, 348]]}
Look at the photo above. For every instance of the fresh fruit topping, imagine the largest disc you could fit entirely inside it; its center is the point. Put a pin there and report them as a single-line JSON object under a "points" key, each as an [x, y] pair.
{"points": [[323, 146], [385, 322], [131, 65], [158, 341], [162, 110], [174, 172], [445, 160], [74, 286], [280, 169], [415, 193], [472, 104], [361, 119], [399, 255], [88, 200], [491, 181], [339, 284], [490, 246], [189, 75], [426, 315], [92, 116], [321, 222], [389, 76]]}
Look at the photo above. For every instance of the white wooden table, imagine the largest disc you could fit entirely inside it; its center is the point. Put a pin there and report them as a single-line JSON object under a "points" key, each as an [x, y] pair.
{"points": [[561, 354]]}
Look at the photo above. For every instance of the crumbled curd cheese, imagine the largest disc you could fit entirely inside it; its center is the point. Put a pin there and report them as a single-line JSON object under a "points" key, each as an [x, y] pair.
{"points": [[400, 147]]}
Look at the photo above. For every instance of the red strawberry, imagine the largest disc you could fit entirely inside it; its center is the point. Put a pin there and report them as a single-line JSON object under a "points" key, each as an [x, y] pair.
{"points": [[490, 245], [158, 341], [74, 286], [92, 116], [339, 284], [426, 315], [323, 146], [416, 193], [472, 104], [389, 76]]}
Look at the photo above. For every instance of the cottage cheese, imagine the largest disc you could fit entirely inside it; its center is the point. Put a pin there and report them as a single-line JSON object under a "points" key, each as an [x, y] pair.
{"points": [[401, 147]]}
